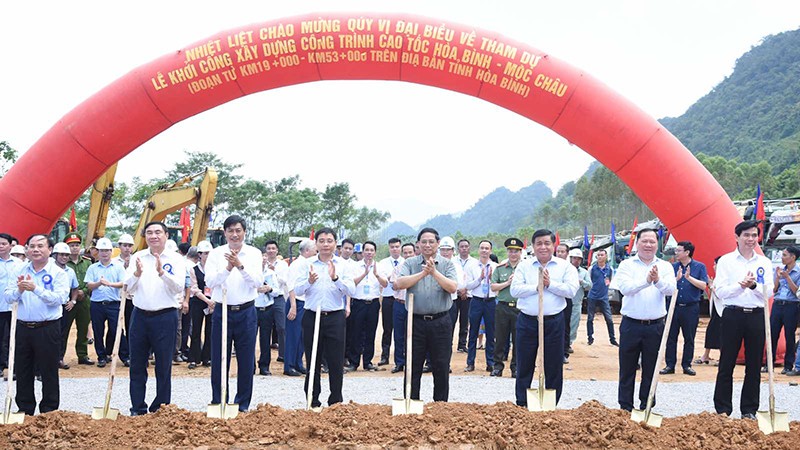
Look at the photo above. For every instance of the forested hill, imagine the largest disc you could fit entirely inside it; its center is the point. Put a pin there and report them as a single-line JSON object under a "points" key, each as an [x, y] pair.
{"points": [[754, 114]]}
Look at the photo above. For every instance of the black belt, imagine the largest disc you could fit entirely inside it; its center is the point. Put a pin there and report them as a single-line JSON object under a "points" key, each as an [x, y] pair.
{"points": [[686, 304], [241, 307], [107, 302], [429, 317], [786, 302], [645, 322], [324, 313], [366, 301], [263, 308], [509, 304], [157, 312], [744, 310], [483, 299], [36, 324]]}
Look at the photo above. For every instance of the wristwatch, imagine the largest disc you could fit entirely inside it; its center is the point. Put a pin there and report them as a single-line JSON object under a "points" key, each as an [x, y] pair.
{"points": [[335, 279], [241, 267]]}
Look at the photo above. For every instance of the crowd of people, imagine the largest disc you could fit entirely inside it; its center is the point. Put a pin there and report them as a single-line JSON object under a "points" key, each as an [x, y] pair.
{"points": [[172, 299]]}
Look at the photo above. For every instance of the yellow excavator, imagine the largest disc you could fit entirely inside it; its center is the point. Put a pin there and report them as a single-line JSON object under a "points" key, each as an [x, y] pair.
{"points": [[100, 202], [173, 197]]}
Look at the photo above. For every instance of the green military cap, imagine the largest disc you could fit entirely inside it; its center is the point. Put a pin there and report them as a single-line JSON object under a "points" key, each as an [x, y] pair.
{"points": [[73, 237], [513, 243]]}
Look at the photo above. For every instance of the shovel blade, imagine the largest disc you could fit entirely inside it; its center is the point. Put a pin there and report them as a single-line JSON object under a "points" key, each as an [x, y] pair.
{"points": [[99, 413], [770, 423], [12, 418], [222, 411], [541, 399], [652, 419], [401, 406]]}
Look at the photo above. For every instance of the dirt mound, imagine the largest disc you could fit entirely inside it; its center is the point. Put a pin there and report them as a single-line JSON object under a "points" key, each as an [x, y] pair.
{"points": [[450, 425]]}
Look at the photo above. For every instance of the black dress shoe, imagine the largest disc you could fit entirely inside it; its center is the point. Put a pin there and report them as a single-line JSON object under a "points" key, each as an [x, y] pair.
{"points": [[667, 370], [462, 350], [570, 350], [749, 416], [383, 362], [496, 373], [566, 359], [764, 369], [372, 367], [489, 368], [614, 343], [590, 341], [126, 362], [86, 361], [101, 363], [689, 371], [38, 378], [62, 365], [264, 372], [192, 365], [469, 368], [292, 373], [206, 363], [303, 370], [513, 374], [324, 369], [279, 359], [396, 369], [429, 369]]}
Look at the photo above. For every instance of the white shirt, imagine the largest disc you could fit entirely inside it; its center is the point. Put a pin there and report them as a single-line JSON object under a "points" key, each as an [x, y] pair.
{"points": [[478, 287], [241, 284], [150, 291], [461, 280], [468, 266], [329, 294], [282, 274], [388, 267], [369, 288], [563, 285], [644, 300], [294, 272], [731, 269]]}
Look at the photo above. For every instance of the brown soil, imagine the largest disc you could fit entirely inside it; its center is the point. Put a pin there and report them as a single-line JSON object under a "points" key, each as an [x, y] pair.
{"points": [[448, 425]]}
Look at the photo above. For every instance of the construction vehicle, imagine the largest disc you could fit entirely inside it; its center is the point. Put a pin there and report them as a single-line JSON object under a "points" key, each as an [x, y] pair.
{"points": [[99, 204], [173, 197]]}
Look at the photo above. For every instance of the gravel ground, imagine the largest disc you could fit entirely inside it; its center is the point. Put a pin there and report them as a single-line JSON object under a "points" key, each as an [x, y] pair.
{"points": [[674, 399]]}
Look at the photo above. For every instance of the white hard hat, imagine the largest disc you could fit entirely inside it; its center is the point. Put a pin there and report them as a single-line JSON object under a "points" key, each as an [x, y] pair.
{"points": [[125, 239], [18, 250], [447, 242], [171, 246], [104, 244], [204, 246], [575, 253], [61, 247]]}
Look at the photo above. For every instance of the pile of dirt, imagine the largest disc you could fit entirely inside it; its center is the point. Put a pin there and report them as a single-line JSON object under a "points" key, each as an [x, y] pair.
{"points": [[455, 425]]}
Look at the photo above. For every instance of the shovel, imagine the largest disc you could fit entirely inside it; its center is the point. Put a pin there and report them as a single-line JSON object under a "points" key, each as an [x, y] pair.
{"points": [[648, 416], [406, 405], [541, 398], [8, 416], [770, 421], [223, 409], [312, 365], [105, 412]]}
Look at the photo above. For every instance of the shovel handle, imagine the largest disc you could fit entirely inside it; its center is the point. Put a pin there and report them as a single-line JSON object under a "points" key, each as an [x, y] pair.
{"points": [[662, 349], [768, 346], [540, 355], [12, 346], [223, 369], [409, 346], [115, 351]]}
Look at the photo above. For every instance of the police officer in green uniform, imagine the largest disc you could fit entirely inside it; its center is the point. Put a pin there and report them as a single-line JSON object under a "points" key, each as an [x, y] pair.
{"points": [[80, 312], [505, 317]]}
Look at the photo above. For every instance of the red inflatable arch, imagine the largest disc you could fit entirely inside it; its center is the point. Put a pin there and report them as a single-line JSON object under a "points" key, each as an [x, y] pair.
{"points": [[254, 58]]}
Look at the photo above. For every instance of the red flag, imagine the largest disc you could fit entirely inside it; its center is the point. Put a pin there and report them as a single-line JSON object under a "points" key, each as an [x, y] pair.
{"points": [[633, 233], [73, 221], [589, 258], [558, 240], [311, 236], [525, 244], [761, 215], [185, 223]]}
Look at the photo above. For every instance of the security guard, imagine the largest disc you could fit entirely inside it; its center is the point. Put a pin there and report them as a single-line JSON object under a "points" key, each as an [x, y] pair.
{"points": [[41, 288], [80, 312], [506, 312], [61, 256]]}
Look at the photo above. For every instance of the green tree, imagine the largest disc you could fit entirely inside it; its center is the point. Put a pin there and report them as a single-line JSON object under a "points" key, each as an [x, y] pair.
{"points": [[8, 156], [338, 211]]}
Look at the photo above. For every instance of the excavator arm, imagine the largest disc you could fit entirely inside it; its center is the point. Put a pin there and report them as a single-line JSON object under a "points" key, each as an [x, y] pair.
{"points": [[100, 202]]}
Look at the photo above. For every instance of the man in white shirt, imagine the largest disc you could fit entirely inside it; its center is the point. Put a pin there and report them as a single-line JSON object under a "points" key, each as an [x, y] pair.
{"points": [[236, 268], [560, 282], [293, 357], [155, 277], [645, 281], [365, 308], [742, 278], [387, 267], [279, 295], [461, 304], [482, 306]]}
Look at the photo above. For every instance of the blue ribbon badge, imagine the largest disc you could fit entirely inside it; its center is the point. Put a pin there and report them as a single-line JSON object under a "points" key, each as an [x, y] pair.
{"points": [[47, 279], [760, 275], [168, 268]]}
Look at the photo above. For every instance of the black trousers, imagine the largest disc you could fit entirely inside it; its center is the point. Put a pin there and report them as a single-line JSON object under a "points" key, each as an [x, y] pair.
{"points": [[459, 313], [265, 320], [434, 338], [331, 347], [637, 340], [38, 348], [387, 322], [505, 326], [684, 320], [200, 349], [784, 315], [5, 329], [567, 325], [740, 325]]}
